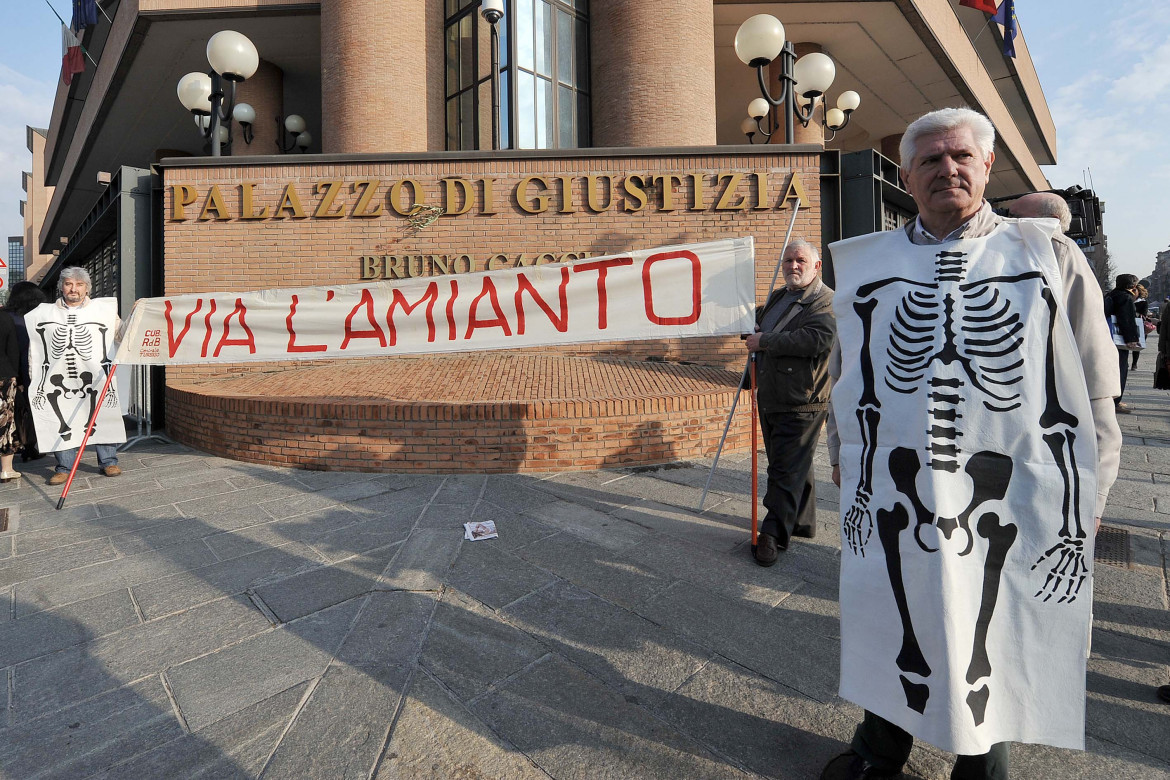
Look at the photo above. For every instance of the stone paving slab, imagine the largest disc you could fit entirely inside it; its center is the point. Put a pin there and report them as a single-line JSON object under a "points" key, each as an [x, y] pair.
{"points": [[470, 648], [19, 568], [436, 736], [631, 655], [370, 532], [79, 741], [303, 594], [758, 723], [114, 526], [344, 725], [79, 583], [616, 577], [165, 595], [589, 524], [50, 682], [236, 747], [48, 632], [573, 726], [494, 577], [215, 685]]}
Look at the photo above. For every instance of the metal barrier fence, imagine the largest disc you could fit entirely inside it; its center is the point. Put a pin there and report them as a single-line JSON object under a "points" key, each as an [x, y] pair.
{"points": [[140, 406]]}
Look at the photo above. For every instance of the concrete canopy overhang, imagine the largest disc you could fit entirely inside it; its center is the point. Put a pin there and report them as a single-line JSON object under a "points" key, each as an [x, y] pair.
{"points": [[904, 57], [125, 111]]}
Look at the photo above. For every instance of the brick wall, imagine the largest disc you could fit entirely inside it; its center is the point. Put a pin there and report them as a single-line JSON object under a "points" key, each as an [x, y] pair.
{"points": [[222, 252]]}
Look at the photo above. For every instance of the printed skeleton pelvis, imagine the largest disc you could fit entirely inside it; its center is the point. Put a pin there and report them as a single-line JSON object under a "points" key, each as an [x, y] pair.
{"points": [[969, 332], [74, 344]]}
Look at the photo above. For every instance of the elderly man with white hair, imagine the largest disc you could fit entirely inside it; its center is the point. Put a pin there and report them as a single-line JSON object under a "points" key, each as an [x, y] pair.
{"points": [[973, 436], [1042, 204], [68, 358], [794, 337]]}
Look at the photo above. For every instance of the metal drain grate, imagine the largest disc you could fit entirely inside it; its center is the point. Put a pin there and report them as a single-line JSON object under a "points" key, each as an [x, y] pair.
{"points": [[3, 520], [1113, 547]]}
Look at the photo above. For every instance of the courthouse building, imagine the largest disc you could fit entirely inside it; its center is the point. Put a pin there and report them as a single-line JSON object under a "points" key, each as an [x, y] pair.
{"points": [[621, 127]]}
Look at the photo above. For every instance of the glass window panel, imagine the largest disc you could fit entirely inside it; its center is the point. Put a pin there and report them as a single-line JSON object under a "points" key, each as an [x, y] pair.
{"points": [[584, 128], [564, 48], [582, 54], [566, 134], [525, 57], [502, 29], [452, 124], [525, 110], [545, 118], [467, 120], [452, 7], [545, 36], [466, 52], [452, 60], [582, 5], [505, 113]]}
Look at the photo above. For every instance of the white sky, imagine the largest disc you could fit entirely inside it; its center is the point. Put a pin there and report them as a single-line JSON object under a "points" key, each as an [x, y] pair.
{"points": [[1104, 67]]}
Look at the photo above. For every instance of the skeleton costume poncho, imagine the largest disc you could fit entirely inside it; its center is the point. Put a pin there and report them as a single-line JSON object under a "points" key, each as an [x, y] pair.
{"points": [[968, 461], [68, 360]]}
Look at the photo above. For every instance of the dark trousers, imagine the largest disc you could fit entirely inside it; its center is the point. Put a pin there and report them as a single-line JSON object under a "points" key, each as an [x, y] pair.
{"points": [[1123, 356], [790, 439], [887, 747]]}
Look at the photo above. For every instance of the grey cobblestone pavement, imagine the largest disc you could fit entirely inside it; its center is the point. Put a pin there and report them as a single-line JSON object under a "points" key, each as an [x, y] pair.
{"points": [[199, 617]]}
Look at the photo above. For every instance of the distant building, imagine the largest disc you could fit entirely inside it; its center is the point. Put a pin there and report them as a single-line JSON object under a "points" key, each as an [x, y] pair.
{"points": [[15, 259], [1160, 277]]}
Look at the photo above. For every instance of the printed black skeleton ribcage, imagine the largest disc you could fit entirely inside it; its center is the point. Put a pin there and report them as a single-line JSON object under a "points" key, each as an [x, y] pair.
{"points": [[990, 337]]}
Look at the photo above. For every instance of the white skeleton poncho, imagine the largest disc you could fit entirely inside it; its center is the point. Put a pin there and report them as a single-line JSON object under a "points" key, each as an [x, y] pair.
{"points": [[68, 360], [968, 485]]}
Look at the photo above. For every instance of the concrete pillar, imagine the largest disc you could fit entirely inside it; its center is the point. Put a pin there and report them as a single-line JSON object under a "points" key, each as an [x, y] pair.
{"points": [[889, 147], [265, 93], [653, 73], [374, 75]]}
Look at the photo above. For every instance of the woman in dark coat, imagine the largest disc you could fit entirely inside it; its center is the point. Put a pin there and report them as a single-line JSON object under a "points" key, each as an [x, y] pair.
{"points": [[23, 298]]}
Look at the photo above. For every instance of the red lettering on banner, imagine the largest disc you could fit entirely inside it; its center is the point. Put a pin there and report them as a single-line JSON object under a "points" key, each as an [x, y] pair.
{"points": [[292, 334], [207, 325], [451, 310], [560, 323], [696, 282], [224, 341], [174, 343], [375, 331], [602, 267], [500, 321], [398, 299]]}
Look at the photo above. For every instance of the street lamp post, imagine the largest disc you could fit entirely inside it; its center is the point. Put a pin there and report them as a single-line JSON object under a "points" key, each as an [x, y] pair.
{"points": [[291, 133], [803, 82], [492, 11], [233, 58]]}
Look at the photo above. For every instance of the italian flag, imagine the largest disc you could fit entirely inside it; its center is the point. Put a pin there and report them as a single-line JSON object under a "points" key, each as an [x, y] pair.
{"points": [[72, 58]]}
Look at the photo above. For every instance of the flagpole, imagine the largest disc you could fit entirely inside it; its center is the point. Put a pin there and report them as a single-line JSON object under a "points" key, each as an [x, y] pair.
{"points": [[62, 21]]}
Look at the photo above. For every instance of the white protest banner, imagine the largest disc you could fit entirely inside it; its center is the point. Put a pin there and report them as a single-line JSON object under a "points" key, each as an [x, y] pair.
{"points": [[693, 290]]}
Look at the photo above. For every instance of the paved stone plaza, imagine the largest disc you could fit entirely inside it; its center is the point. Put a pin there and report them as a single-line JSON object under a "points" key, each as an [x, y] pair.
{"points": [[199, 617]]}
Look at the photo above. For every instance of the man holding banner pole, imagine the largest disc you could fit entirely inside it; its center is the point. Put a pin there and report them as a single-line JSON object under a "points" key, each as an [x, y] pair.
{"points": [[794, 335], [69, 358]]}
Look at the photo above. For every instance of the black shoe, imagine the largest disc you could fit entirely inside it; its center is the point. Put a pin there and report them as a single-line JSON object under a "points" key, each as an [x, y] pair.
{"points": [[1164, 693], [850, 766], [767, 550]]}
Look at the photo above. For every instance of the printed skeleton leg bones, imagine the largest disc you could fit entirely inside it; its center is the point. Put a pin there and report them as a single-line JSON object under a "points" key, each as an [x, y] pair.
{"points": [[990, 473]]}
